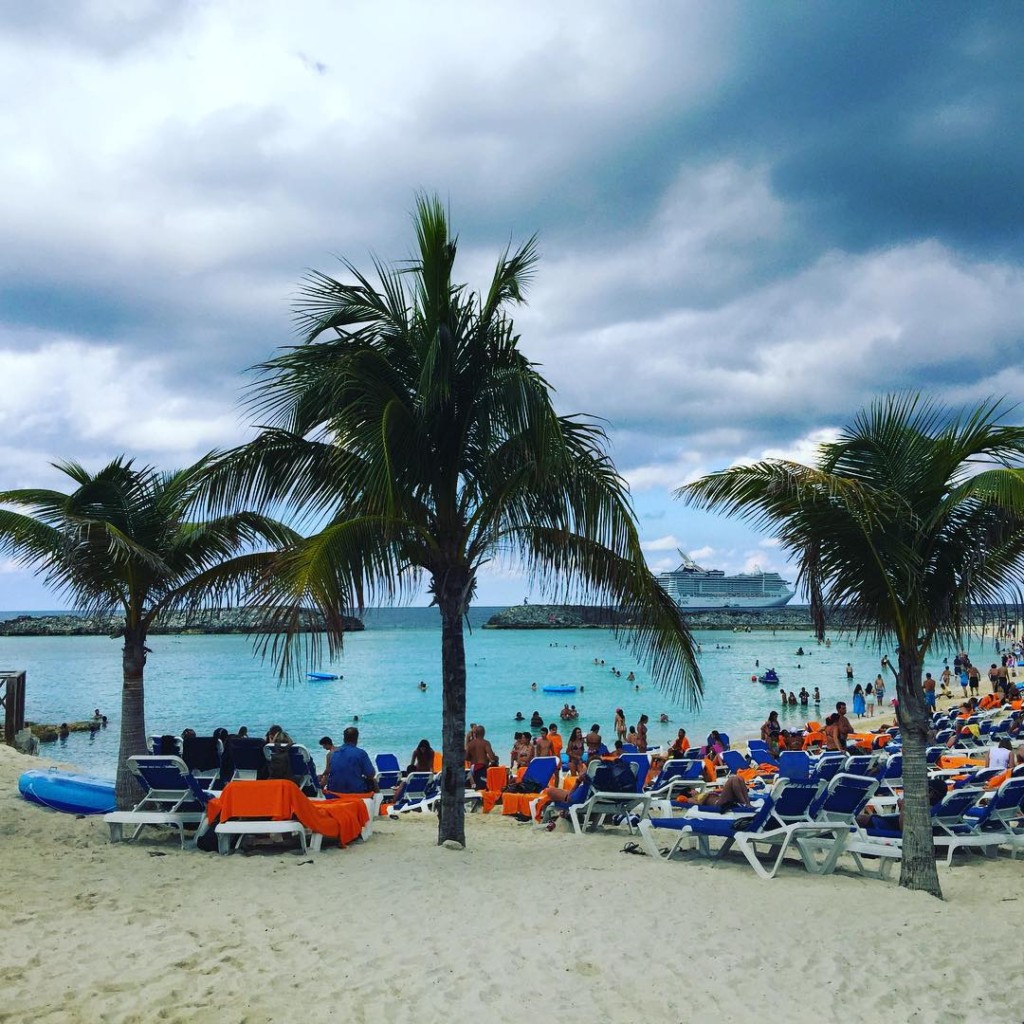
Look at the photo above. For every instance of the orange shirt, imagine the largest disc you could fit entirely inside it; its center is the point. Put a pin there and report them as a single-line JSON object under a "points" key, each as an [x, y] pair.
{"points": [[556, 743]]}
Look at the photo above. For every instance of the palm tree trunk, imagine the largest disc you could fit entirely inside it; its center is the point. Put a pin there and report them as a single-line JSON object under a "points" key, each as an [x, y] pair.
{"points": [[918, 869], [450, 592], [133, 716]]}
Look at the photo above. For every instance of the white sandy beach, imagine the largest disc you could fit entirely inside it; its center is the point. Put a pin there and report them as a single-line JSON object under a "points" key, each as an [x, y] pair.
{"points": [[522, 923]]}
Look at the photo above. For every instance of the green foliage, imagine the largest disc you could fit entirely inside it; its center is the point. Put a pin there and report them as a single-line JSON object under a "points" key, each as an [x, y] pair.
{"points": [[414, 437]]}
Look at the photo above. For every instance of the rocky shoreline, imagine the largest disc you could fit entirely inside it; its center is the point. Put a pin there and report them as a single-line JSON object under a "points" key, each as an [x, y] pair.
{"points": [[223, 620], [796, 617], [552, 616]]}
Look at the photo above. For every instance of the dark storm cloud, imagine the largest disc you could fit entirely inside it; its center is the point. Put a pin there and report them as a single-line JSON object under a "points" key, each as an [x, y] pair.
{"points": [[884, 123]]}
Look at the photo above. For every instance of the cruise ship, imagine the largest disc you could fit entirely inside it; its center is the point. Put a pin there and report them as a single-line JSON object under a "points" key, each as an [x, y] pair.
{"points": [[694, 588]]}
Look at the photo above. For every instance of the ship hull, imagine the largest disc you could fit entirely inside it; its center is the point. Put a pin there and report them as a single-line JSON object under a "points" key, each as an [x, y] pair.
{"points": [[702, 602]]}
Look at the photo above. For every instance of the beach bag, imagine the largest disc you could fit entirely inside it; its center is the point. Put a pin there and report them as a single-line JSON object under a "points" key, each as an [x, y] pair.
{"points": [[280, 766], [207, 842], [615, 777]]}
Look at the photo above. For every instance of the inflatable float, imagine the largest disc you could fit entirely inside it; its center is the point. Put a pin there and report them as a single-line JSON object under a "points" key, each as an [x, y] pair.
{"points": [[65, 791], [559, 689], [321, 676]]}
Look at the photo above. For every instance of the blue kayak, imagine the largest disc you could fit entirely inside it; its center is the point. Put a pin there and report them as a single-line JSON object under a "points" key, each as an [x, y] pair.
{"points": [[559, 689], [65, 791], [321, 676]]}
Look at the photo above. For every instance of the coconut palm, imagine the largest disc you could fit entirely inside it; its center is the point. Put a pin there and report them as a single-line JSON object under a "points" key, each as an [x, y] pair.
{"points": [[411, 423], [909, 518], [122, 542]]}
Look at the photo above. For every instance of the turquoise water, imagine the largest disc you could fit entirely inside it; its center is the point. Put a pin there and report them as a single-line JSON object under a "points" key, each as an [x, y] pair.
{"points": [[210, 681]]}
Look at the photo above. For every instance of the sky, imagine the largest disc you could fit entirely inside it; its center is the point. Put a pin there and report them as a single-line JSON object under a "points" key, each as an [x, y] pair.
{"points": [[752, 218]]}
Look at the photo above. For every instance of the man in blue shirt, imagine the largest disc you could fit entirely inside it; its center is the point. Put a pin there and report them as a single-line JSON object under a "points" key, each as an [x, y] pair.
{"points": [[350, 769]]}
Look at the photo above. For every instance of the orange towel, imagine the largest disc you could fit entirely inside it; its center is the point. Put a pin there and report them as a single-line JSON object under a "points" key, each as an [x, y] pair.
{"points": [[281, 800], [814, 739]]}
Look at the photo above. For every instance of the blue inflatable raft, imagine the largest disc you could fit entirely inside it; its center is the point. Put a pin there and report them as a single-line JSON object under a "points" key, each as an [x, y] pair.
{"points": [[321, 676], [559, 689], [65, 791]]}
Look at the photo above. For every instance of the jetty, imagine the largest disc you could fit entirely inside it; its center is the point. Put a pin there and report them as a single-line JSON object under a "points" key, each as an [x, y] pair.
{"points": [[220, 620]]}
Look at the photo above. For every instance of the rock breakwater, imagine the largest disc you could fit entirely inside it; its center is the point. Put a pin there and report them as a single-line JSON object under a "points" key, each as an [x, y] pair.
{"points": [[223, 620]]}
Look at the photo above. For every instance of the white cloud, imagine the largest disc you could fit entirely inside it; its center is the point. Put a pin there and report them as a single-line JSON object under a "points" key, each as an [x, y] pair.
{"points": [[668, 543], [72, 399]]}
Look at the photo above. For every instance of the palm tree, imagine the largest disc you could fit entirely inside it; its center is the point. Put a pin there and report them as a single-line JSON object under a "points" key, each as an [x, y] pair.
{"points": [[121, 541], [410, 422], [908, 519]]}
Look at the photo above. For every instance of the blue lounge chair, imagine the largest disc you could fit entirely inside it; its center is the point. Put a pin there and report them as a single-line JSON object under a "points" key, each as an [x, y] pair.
{"points": [[202, 756], [825, 824], [606, 797], [891, 778], [828, 766], [794, 764], [794, 798], [735, 761], [389, 774], [953, 826], [677, 776], [247, 757], [643, 766], [1003, 814], [173, 798], [419, 793]]}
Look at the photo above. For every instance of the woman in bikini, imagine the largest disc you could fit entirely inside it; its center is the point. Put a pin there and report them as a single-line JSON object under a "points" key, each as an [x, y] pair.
{"points": [[574, 751]]}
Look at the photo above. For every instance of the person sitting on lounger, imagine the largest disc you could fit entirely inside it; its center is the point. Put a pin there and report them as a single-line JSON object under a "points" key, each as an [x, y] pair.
{"points": [[481, 756], [732, 793], [422, 759], [894, 822], [350, 769]]}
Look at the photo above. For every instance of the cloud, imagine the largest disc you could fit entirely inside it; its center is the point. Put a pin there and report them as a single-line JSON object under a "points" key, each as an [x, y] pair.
{"points": [[752, 221]]}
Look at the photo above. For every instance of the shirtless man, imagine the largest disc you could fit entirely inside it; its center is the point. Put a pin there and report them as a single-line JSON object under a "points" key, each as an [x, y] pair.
{"points": [[480, 754], [543, 747], [593, 741], [841, 727]]}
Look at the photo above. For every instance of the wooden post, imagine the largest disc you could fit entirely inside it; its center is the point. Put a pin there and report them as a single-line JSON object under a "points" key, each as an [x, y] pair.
{"points": [[12, 700]]}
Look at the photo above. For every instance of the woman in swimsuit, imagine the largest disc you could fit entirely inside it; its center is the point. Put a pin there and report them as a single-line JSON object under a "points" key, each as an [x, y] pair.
{"points": [[574, 751], [620, 724]]}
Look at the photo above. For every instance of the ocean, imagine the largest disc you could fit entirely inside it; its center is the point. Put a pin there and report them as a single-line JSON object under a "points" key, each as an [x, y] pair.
{"points": [[204, 682]]}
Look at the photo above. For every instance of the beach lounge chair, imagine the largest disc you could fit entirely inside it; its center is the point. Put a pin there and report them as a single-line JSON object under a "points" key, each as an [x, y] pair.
{"points": [[389, 774], [278, 807], [420, 793], [677, 776], [953, 826], [735, 761], [828, 766], [1003, 815], [202, 755], [612, 793], [816, 822], [643, 766], [247, 757], [891, 778], [537, 777], [173, 798], [794, 764]]}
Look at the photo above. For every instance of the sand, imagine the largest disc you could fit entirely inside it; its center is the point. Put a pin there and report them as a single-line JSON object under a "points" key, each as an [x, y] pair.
{"points": [[524, 924]]}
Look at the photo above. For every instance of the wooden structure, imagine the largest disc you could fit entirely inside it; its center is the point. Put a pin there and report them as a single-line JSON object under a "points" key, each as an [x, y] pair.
{"points": [[12, 700]]}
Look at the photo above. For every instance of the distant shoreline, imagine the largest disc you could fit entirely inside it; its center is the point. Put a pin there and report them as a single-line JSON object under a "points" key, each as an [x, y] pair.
{"points": [[212, 623], [786, 618]]}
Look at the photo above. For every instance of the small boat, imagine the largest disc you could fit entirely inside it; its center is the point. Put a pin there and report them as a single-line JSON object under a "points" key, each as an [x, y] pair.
{"points": [[770, 678], [321, 676], [559, 689], [68, 792]]}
